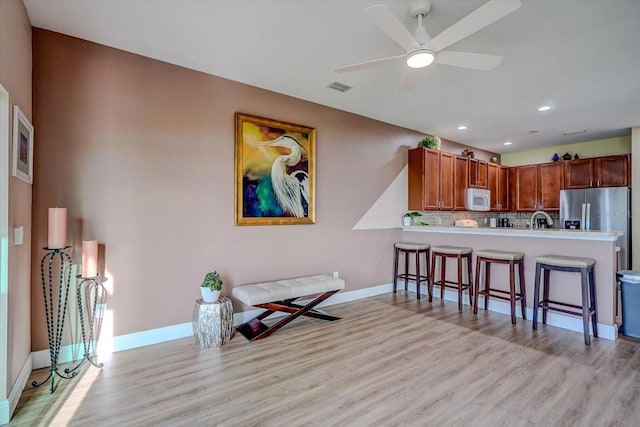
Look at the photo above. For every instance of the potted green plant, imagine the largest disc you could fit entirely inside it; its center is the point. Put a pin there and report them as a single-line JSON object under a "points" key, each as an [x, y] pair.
{"points": [[211, 287], [408, 217], [431, 142]]}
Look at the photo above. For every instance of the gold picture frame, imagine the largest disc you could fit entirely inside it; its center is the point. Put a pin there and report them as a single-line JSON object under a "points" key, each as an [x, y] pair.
{"points": [[275, 172]]}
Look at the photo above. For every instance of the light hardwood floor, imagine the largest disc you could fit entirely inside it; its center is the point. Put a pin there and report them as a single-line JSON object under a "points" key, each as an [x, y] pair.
{"points": [[391, 360]]}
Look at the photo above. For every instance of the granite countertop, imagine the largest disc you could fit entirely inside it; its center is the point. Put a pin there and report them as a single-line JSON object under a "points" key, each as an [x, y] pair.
{"points": [[550, 233]]}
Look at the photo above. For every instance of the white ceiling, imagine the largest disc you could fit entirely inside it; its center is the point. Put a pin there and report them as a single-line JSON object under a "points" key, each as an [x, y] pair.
{"points": [[580, 56]]}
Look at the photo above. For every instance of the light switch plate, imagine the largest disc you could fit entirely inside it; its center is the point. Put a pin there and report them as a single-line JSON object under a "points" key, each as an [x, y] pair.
{"points": [[18, 235]]}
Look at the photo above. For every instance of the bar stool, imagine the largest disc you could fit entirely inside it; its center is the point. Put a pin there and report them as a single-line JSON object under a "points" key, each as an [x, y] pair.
{"points": [[585, 267], [459, 253], [513, 259], [416, 249]]}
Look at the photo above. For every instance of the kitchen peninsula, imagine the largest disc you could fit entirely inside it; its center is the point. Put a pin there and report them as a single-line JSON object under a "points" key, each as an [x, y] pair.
{"points": [[600, 246]]}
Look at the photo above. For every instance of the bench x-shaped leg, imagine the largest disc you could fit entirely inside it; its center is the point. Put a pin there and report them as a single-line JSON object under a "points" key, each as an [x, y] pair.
{"points": [[255, 329]]}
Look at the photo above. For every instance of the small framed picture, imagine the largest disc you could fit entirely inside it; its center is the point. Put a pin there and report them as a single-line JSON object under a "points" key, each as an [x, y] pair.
{"points": [[22, 146]]}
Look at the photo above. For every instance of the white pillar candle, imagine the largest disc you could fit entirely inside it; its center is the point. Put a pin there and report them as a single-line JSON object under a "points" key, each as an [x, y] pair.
{"points": [[89, 258], [57, 228]]}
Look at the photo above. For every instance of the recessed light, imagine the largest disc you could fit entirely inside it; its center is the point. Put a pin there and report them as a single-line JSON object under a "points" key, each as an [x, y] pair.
{"points": [[507, 143], [544, 108], [463, 127]]}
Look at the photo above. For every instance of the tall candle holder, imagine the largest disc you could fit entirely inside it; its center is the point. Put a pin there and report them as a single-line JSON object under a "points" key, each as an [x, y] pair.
{"points": [[90, 286], [55, 291]]}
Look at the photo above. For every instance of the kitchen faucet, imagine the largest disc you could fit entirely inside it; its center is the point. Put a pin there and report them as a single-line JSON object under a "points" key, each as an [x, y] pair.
{"points": [[546, 215]]}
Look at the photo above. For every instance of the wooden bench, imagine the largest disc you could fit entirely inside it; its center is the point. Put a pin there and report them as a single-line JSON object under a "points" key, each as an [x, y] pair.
{"points": [[280, 296]]}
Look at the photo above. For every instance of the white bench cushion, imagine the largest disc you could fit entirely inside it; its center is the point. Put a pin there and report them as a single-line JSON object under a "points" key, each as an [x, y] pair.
{"points": [[279, 290]]}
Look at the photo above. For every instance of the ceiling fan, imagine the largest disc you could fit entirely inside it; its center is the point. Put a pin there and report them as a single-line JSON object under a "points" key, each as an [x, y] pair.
{"points": [[422, 50]]}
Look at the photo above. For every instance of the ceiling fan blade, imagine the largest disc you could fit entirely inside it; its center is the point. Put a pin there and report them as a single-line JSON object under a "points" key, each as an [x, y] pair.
{"points": [[482, 17], [475, 61], [391, 26], [368, 64]]}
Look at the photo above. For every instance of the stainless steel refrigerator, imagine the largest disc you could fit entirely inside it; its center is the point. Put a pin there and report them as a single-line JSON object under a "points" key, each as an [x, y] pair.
{"points": [[601, 209]]}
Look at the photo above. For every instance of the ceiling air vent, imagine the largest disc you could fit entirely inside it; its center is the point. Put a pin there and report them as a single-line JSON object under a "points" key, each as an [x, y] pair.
{"points": [[574, 132], [341, 87]]}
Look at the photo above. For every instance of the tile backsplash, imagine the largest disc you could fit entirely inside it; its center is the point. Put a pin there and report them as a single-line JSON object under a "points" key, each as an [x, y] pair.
{"points": [[447, 219]]}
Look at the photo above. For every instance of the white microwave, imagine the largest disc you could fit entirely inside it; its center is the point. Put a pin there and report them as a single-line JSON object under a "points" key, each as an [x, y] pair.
{"points": [[477, 199]]}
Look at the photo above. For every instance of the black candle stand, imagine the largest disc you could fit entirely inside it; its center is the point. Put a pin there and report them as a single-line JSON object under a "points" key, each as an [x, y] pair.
{"points": [[90, 286], [55, 291]]}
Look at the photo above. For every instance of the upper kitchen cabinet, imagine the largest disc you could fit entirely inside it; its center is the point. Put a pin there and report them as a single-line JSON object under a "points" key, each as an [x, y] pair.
{"points": [[578, 173], [524, 196], [613, 171], [498, 184], [609, 171], [537, 187], [550, 182], [478, 173], [460, 182], [431, 179]]}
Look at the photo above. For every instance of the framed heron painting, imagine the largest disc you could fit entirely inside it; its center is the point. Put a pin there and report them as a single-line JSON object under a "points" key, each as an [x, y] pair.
{"points": [[275, 172]]}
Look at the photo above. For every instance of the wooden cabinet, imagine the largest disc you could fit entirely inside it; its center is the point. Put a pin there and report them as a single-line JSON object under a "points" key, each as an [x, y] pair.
{"points": [[613, 171], [498, 184], [430, 179], [460, 182], [446, 181], [438, 180], [609, 171], [537, 187], [478, 173], [550, 182], [503, 188], [578, 173], [524, 188]]}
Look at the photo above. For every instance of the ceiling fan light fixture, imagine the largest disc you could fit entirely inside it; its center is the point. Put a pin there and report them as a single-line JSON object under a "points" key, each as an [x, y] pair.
{"points": [[420, 58]]}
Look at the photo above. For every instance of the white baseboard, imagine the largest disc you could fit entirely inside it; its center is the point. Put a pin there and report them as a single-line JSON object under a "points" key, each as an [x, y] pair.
{"points": [[571, 323], [8, 406], [70, 353], [152, 336], [5, 412]]}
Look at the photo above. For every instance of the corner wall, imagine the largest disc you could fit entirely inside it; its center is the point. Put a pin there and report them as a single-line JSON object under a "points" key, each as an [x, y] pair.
{"points": [[15, 77]]}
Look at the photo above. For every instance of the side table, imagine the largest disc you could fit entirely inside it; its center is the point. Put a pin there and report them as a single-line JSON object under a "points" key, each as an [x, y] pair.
{"points": [[213, 322]]}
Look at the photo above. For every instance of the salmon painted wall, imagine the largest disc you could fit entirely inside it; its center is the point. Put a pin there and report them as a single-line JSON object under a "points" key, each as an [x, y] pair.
{"points": [[15, 77], [142, 154]]}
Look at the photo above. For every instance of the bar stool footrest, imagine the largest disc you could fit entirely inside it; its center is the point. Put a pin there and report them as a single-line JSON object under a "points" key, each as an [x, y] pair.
{"points": [[412, 276], [545, 305], [451, 284], [490, 293]]}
